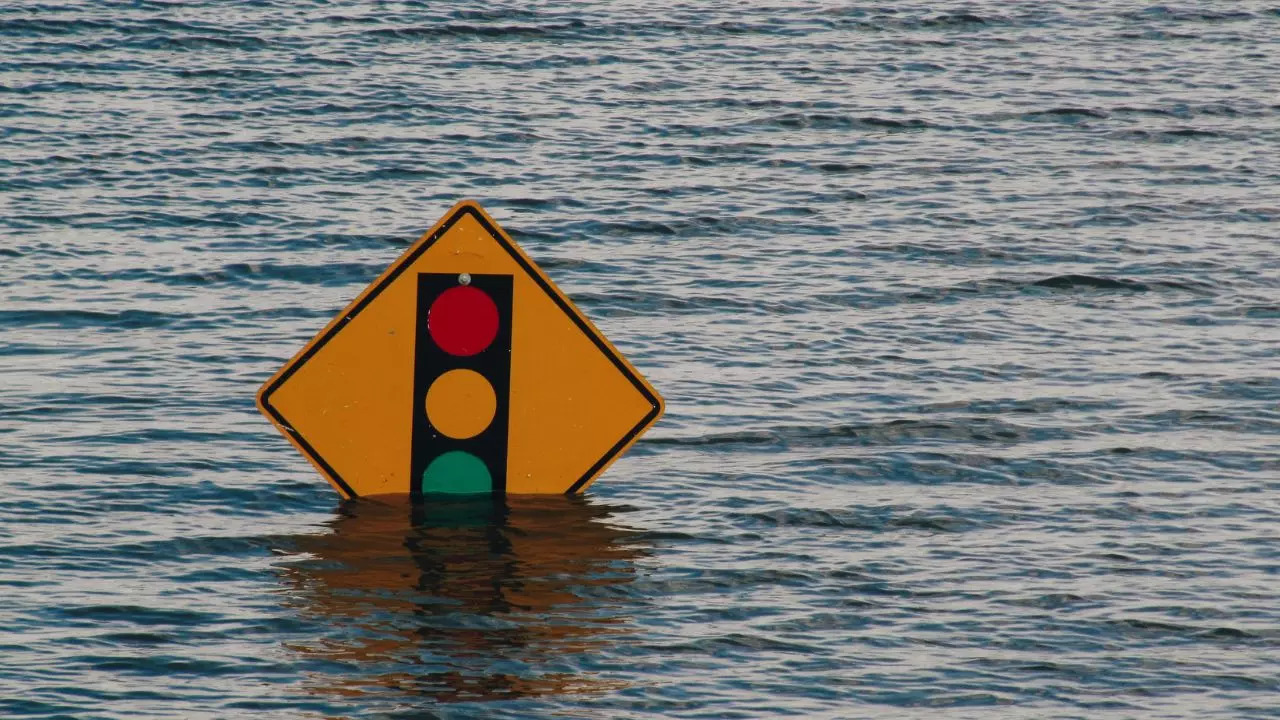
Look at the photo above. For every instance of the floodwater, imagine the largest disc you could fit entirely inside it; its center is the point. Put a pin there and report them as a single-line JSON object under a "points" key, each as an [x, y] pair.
{"points": [[967, 316]]}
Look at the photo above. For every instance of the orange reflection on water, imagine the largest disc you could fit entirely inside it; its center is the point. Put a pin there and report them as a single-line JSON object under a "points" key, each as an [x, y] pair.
{"points": [[464, 600]]}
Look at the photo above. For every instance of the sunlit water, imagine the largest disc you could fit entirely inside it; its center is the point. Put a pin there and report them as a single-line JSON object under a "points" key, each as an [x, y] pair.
{"points": [[966, 315]]}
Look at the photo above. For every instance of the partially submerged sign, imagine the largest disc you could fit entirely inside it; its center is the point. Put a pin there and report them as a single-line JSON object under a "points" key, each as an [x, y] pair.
{"points": [[462, 369]]}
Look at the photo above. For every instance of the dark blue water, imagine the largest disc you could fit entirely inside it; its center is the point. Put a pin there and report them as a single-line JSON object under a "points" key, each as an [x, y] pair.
{"points": [[967, 316]]}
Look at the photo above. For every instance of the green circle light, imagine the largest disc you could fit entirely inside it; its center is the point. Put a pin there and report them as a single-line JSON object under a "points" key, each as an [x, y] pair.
{"points": [[457, 473]]}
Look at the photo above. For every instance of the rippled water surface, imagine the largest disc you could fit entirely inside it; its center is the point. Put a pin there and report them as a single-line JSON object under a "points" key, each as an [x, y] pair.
{"points": [[966, 315]]}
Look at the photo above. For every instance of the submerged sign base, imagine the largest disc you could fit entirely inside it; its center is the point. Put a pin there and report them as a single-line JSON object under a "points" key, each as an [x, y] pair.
{"points": [[461, 370]]}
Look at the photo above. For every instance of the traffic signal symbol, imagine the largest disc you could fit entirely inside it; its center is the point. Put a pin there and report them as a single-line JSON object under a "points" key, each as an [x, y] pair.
{"points": [[462, 384]]}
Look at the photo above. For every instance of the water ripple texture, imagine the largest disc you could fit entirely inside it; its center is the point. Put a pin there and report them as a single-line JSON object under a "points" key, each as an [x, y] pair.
{"points": [[967, 316]]}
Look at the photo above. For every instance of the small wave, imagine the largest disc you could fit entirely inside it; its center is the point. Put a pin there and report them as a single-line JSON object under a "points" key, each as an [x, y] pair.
{"points": [[839, 168], [952, 20], [28, 27], [1068, 113], [197, 42], [1228, 109], [1167, 135], [740, 642], [1090, 282], [67, 318], [135, 615], [865, 518], [892, 432], [1164, 12], [61, 86], [329, 274], [429, 32], [828, 121], [1052, 601]]}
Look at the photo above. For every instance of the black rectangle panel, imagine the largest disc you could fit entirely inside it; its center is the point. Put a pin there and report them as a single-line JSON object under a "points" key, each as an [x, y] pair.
{"points": [[430, 362]]}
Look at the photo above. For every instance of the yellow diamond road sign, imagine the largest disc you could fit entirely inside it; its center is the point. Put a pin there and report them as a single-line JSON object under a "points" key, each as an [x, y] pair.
{"points": [[462, 369]]}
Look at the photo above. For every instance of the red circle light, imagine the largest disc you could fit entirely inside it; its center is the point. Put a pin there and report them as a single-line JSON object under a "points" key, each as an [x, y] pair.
{"points": [[463, 320]]}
